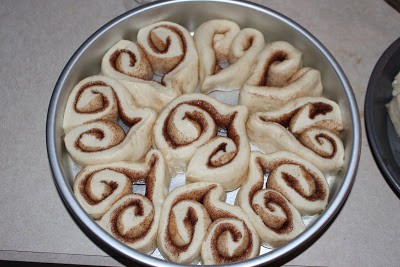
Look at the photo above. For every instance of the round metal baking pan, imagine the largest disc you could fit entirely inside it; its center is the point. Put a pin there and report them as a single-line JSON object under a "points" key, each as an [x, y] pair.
{"points": [[382, 137], [190, 14]]}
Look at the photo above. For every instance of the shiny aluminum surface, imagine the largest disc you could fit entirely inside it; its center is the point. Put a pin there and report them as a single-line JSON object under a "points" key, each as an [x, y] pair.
{"points": [[190, 14]]}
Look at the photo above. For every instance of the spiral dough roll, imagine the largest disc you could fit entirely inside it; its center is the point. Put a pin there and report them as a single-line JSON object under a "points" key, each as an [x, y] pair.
{"points": [[277, 78], [97, 187], [196, 220], [306, 112], [165, 49], [100, 97], [222, 41], [299, 181], [294, 186], [185, 132], [312, 124], [92, 133], [134, 218]]}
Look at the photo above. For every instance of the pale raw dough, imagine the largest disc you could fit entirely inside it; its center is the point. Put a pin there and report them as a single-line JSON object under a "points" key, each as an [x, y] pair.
{"points": [[393, 106], [181, 242], [165, 49], [98, 187], [277, 78], [222, 42], [275, 211], [306, 112], [307, 127], [93, 135], [101, 98], [134, 218], [185, 132]]}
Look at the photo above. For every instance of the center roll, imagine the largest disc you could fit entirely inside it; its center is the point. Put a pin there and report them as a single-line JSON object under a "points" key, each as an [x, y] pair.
{"points": [[186, 132]]}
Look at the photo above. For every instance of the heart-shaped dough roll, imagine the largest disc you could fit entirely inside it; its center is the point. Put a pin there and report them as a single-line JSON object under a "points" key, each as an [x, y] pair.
{"points": [[221, 42], [134, 218], [294, 186], [92, 134], [277, 78], [306, 112], [98, 187], [312, 125], [196, 220], [163, 49], [100, 97], [186, 133]]}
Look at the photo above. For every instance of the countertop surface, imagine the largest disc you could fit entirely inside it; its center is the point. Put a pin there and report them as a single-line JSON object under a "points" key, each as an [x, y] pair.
{"points": [[36, 40]]}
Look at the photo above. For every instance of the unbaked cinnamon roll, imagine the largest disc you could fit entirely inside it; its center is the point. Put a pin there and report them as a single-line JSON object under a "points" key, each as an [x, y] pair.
{"points": [[302, 189], [100, 97], [196, 220], [305, 112], [134, 218], [165, 49], [186, 133], [277, 78], [312, 126], [127, 61], [222, 42], [92, 133], [98, 187]]}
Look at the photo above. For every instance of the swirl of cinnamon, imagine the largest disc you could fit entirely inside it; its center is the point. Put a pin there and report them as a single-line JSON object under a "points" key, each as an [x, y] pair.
{"points": [[294, 187], [222, 42], [129, 220], [92, 134], [185, 132], [96, 189], [231, 237], [299, 181], [100, 97], [126, 60], [310, 134], [276, 219], [306, 112], [277, 78], [189, 211], [133, 218], [105, 141], [165, 49], [323, 143]]}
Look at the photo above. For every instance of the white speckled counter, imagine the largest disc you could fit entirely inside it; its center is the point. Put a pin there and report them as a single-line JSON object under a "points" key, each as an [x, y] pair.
{"points": [[36, 40]]}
